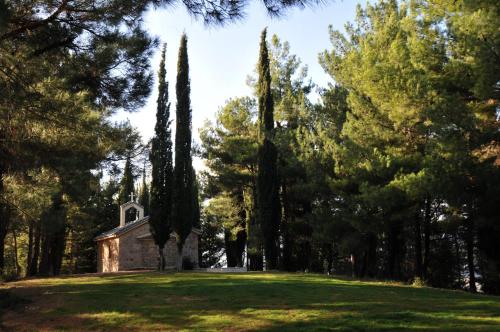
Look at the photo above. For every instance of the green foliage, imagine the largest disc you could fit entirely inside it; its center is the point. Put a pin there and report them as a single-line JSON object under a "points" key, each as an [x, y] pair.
{"points": [[474, 68], [291, 106], [228, 211], [409, 139], [211, 244], [98, 215]]}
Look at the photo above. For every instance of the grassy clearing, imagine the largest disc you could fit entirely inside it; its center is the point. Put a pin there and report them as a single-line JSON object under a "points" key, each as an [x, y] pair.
{"points": [[239, 302]]}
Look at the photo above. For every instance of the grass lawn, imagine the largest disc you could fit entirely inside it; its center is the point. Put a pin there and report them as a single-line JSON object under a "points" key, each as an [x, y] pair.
{"points": [[238, 302]]}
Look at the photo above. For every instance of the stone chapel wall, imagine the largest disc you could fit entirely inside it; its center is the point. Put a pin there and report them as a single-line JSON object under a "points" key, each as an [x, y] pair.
{"points": [[108, 253], [131, 248]]}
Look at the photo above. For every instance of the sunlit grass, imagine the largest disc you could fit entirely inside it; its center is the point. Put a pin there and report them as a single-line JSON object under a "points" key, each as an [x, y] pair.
{"points": [[251, 301]]}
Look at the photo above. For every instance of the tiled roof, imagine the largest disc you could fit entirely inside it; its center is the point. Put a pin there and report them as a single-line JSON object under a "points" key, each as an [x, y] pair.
{"points": [[129, 226], [121, 229]]}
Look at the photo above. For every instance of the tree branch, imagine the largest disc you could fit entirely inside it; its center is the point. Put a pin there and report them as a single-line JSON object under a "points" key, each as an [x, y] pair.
{"points": [[36, 24]]}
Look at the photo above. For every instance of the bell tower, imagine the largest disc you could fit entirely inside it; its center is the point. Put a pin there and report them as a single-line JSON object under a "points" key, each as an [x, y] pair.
{"points": [[129, 205]]}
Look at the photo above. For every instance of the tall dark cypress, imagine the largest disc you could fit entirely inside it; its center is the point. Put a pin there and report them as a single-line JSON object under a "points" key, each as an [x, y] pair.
{"points": [[126, 188], [268, 202], [144, 193], [196, 203], [184, 208], [160, 218], [126, 183]]}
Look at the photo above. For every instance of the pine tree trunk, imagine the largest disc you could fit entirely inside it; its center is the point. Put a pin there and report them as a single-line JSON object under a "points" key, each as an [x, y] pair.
{"points": [[4, 217], [241, 236], [58, 246], [364, 264], [285, 229], [3, 234], [372, 255], [4, 226], [427, 236], [44, 265], [457, 254], [469, 239], [328, 248], [353, 265], [394, 254], [418, 246], [29, 257], [241, 239], [16, 253], [230, 249], [255, 259], [2, 253], [36, 250]]}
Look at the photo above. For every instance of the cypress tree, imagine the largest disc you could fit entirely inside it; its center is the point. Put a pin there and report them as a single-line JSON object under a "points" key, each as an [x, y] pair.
{"points": [[126, 188], [196, 221], [126, 183], [268, 202], [196, 203], [160, 219], [183, 170], [144, 193]]}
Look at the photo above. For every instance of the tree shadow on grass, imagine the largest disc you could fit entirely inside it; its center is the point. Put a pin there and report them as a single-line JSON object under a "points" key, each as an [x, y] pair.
{"points": [[258, 302]]}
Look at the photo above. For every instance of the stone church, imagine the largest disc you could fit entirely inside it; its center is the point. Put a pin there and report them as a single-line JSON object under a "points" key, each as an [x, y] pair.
{"points": [[131, 246]]}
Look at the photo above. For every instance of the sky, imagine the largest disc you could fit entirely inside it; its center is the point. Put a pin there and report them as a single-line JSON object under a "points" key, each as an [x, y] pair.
{"points": [[221, 57]]}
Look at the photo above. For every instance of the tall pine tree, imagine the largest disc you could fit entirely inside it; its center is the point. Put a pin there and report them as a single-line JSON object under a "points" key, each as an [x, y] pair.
{"points": [[230, 148], [183, 171], [160, 219], [268, 201]]}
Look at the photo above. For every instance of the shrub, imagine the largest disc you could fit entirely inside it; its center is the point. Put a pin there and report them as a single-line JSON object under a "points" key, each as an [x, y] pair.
{"points": [[418, 282], [9, 275]]}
